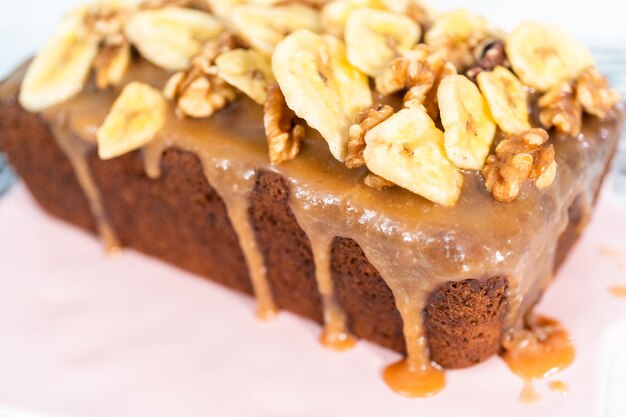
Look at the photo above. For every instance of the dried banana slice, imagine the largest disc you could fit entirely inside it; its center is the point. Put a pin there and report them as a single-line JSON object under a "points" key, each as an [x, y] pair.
{"points": [[544, 55], [170, 37], [335, 13], [457, 34], [507, 98], [408, 150], [321, 86], [374, 38], [264, 26], [469, 127], [136, 117], [248, 71], [60, 69]]}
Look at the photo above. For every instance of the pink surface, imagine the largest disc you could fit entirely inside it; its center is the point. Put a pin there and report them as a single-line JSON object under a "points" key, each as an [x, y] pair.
{"points": [[84, 335]]}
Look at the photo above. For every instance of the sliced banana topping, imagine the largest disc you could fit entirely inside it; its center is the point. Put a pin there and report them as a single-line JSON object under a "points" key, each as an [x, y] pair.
{"points": [[172, 36], [264, 26], [321, 86], [136, 117], [544, 55], [507, 98], [458, 33], [247, 70], [335, 13], [408, 150], [60, 69], [374, 38], [469, 127]]}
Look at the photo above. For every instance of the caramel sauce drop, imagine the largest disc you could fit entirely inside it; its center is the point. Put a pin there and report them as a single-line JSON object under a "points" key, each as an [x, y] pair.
{"points": [[540, 351], [618, 291], [559, 387], [529, 395], [411, 380], [338, 341]]}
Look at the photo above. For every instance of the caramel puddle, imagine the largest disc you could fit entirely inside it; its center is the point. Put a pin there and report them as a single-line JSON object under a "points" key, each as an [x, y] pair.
{"points": [[538, 352], [414, 380], [618, 291]]}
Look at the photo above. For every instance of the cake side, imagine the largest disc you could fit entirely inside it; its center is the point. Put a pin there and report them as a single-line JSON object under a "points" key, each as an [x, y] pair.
{"points": [[177, 217]]}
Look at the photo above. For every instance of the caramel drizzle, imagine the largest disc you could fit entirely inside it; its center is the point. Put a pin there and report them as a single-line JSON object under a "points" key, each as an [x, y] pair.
{"points": [[234, 191], [77, 152], [335, 334]]}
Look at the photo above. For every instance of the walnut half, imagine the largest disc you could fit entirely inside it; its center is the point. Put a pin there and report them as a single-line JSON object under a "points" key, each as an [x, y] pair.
{"points": [[283, 129], [594, 94], [520, 157], [560, 109], [366, 121]]}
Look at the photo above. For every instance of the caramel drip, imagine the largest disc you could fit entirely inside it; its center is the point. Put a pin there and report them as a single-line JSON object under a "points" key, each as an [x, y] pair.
{"points": [[538, 352], [529, 394], [335, 334], [77, 152], [234, 187], [415, 245]]}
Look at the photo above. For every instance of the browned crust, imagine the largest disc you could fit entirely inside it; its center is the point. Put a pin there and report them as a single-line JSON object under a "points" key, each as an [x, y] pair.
{"points": [[179, 218]]}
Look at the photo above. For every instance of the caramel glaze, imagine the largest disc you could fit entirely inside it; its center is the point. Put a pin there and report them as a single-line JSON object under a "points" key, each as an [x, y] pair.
{"points": [[414, 244]]}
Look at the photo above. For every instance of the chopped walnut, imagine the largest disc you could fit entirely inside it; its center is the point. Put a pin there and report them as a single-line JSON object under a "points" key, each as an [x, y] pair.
{"points": [[198, 91], [419, 72], [594, 94], [520, 157], [491, 54], [559, 108], [106, 23], [366, 121], [377, 183], [283, 129]]}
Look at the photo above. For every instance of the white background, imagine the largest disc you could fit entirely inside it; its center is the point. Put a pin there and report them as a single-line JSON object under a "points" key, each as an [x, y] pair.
{"points": [[25, 24]]}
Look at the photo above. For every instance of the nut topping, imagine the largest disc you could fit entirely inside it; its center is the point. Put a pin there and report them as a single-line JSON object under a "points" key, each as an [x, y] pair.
{"points": [[198, 91], [283, 129], [377, 183], [366, 121], [520, 157], [560, 109], [491, 55], [594, 94]]}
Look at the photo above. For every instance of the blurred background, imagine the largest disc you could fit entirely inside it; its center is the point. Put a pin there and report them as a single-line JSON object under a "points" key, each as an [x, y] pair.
{"points": [[25, 25]]}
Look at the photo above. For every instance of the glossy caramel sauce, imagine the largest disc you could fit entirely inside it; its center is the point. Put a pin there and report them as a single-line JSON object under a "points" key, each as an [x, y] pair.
{"points": [[558, 387], [538, 352], [414, 244], [618, 291]]}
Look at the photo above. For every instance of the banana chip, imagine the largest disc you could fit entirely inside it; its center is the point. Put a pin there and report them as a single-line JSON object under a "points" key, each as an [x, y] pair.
{"points": [[374, 38], [507, 98], [321, 86], [60, 69], [408, 150], [263, 27], [136, 117], [170, 37], [469, 127], [248, 71], [543, 56]]}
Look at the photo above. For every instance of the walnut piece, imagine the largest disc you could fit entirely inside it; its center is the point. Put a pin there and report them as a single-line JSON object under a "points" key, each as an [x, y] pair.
{"points": [[491, 54], [520, 157], [377, 183], [419, 72], [283, 129], [594, 94], [560, 109], [106, 23], [198, 91], [366, 121]]}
